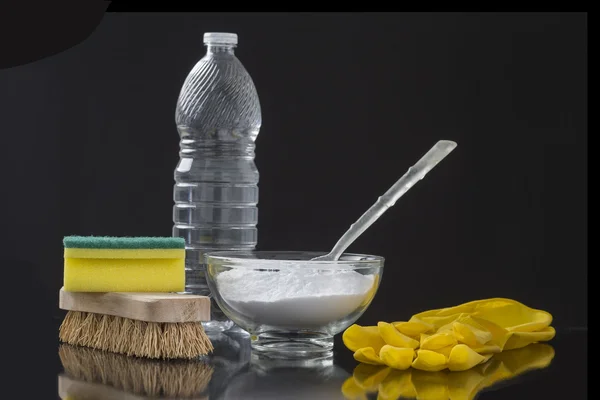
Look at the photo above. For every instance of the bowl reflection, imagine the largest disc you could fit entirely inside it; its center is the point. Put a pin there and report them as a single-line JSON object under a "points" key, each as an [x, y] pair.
{"points": [[267, 378]]}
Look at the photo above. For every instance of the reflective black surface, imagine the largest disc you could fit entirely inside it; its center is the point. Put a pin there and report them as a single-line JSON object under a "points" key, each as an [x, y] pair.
{"points": [[557, 369], [350, 100]]}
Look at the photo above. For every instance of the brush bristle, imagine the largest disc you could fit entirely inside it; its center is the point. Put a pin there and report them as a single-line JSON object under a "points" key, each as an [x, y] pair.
{"points": [[135, 375], [185, 340]]}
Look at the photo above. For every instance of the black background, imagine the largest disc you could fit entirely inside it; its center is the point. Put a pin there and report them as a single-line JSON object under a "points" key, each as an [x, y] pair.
{"points": [[349, 102]]}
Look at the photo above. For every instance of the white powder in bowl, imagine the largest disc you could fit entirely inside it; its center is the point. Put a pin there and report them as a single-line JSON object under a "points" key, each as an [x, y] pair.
{"points": [[294, 297]]}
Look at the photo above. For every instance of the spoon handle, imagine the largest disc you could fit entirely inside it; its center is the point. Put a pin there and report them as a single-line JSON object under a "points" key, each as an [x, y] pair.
{"points": [[414, 174]]}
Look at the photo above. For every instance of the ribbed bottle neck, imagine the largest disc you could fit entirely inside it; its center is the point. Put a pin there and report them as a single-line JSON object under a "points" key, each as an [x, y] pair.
{"points": [[217, 148], [220, 49]]}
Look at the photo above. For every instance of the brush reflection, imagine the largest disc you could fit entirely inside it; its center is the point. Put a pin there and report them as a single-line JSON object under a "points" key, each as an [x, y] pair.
{"points": [[392, 384], [95, 374]]}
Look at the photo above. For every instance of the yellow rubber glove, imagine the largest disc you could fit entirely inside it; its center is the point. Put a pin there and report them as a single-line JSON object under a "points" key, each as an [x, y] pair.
{"points": [[505, 313], [397, 357], [456, 338], [391, 384], [358, 337]]}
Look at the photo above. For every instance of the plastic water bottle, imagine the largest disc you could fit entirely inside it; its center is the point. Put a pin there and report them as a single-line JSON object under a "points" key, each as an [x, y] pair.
{"points": [[218, 117]]}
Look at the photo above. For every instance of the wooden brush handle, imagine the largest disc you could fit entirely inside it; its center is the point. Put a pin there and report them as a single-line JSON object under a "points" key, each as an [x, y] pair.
{"points": [[149, 307]]}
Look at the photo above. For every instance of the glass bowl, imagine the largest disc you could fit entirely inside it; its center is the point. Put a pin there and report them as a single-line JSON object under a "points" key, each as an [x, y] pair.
{"points": [[292, 306]]}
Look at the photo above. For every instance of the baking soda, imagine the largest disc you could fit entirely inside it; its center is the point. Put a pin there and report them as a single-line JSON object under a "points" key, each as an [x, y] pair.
{"points": [[294, 297]]}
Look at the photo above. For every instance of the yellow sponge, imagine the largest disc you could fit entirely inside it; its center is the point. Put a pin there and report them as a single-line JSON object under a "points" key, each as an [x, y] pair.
{"points": [[124, 264]]}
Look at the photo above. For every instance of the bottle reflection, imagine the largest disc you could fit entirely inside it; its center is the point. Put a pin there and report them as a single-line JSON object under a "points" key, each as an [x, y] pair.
{"points": [[391, 384], [287, 379], [231, 355]]}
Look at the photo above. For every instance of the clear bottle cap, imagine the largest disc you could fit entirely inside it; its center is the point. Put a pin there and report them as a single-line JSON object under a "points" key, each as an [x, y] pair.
{"points": [[220, 38]]}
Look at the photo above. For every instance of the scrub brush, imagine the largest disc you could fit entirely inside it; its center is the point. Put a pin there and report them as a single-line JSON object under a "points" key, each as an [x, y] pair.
{"points": [[95, 374], [150, 325]]}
